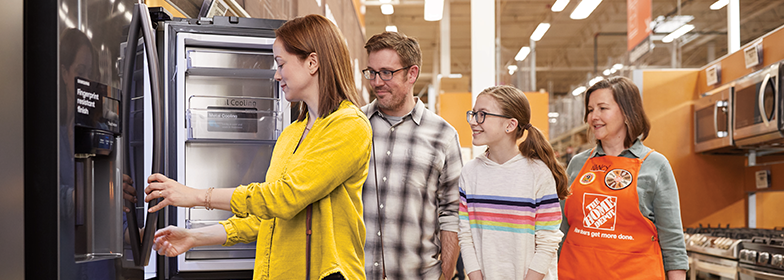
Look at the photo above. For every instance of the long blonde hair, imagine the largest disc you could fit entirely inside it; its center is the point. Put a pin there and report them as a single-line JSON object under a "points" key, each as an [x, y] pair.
{"points": [[513, 103]]}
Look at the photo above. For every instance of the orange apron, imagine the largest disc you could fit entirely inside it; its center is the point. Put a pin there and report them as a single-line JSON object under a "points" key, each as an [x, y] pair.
{"points": [[608, 237]]}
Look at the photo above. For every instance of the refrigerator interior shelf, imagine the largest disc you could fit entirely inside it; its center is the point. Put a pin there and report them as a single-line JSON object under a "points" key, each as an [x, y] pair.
{"points": [[231, 72]]}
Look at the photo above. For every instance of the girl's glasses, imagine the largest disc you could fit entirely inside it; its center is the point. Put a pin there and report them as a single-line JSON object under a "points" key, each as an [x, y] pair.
{"points": [[480, 116]]}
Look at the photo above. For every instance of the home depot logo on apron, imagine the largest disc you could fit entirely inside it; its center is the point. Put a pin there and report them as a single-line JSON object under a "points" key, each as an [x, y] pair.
{"points": [[608, 237], [600, 212]]}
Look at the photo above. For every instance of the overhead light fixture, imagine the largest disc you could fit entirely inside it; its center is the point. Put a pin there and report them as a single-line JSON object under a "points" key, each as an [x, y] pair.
{"points": [[391, 28], [387, 9], [677, 33], [615, 68], [719, 4], [579, 90], [540, 30], [385, 1], [670, 24], [553, 114], [559, 5], [595, 80], [584, 9], [523, 53], [606, 72], [434, 10], [512, 67]]}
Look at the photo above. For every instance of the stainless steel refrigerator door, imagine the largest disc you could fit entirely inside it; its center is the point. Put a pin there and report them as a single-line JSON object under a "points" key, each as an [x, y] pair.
{"points": [[89, 49], [230, 112]]}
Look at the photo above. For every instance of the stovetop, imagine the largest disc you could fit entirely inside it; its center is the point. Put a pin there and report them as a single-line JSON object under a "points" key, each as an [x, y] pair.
{"points": [[763, 252], [726, 242], [736, 233]]}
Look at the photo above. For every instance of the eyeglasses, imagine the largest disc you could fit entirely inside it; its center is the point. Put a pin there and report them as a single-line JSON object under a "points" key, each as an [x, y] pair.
{"points": [[386, 75], [480, 116]]}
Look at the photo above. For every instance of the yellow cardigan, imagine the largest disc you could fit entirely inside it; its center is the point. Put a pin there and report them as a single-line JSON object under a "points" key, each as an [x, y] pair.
{"points": [[328, 170]]}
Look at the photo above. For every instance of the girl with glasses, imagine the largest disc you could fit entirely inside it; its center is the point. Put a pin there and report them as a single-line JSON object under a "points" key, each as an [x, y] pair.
{"points": [[509, 195]]}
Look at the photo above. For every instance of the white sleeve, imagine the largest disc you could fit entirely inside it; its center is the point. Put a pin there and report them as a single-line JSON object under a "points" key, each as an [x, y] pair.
{"points": [[547, 223], [464, 235]]}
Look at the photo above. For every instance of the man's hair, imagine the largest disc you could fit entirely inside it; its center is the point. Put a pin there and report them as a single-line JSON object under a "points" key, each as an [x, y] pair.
{"points": [[407, 48]]}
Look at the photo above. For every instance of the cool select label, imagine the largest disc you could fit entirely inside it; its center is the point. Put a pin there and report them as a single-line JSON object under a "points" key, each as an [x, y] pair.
{"points": [[231, 119]]}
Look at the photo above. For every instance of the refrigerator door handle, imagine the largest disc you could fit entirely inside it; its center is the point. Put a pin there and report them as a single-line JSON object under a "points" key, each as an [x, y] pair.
{"points": [[141, 21]]}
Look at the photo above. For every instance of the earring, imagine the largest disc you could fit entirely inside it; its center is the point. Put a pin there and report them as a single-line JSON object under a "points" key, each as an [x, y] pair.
{"points": [[507, 130]]}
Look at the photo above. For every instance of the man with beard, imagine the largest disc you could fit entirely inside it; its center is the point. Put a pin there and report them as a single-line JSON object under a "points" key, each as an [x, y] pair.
{"points": [[415, 166]]}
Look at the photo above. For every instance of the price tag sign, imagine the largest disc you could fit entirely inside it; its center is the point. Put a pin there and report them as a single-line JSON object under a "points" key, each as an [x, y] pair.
{"points": [[762, 179], [713, 74], [753, 55]]}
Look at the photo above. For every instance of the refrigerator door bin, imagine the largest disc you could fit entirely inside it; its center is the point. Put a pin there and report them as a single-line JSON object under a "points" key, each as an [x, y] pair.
{"points": [[237, 124], [238, 102]]}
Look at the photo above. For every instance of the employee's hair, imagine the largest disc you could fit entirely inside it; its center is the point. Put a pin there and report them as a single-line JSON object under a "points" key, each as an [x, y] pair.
{"points": [[629, 100], [407, 48], [303, 36], [513, 103]]}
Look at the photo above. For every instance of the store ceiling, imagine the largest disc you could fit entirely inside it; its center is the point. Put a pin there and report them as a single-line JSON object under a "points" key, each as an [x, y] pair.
{"points": [[565, 55]]}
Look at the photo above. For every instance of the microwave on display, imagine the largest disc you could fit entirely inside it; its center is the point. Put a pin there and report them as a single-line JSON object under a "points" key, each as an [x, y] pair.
{"points": [[713, 122], [757, 112]]}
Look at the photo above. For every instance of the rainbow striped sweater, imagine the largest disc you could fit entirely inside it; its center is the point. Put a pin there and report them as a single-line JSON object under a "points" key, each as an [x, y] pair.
{"points": [[509, 218]]}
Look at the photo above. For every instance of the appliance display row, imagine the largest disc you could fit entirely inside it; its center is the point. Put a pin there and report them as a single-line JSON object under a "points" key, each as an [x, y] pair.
{"points": [[742, 115]]}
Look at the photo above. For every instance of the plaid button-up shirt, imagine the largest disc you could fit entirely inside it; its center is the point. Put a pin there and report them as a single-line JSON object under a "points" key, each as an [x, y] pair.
{"points": [[418, 163]]}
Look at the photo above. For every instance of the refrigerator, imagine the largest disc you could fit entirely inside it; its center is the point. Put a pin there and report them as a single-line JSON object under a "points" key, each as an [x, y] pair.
{"points": [[113, 90]]}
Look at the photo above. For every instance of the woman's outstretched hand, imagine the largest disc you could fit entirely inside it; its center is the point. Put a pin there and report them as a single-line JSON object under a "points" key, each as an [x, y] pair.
{"points": [[172, 241], [172, 192]]}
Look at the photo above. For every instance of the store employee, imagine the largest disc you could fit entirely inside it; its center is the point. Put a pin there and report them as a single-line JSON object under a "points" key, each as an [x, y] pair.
{"points": [[622, 220]]}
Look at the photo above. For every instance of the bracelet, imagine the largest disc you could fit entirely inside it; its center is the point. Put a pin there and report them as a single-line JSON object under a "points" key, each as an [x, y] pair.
{"points": [[208, 198]]}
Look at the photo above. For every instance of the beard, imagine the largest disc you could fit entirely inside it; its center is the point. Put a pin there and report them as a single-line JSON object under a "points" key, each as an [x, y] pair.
{"points": [[392, 101]]}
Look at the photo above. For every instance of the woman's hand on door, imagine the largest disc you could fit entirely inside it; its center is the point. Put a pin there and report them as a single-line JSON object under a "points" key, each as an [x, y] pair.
{"points": [[172, 192]]}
